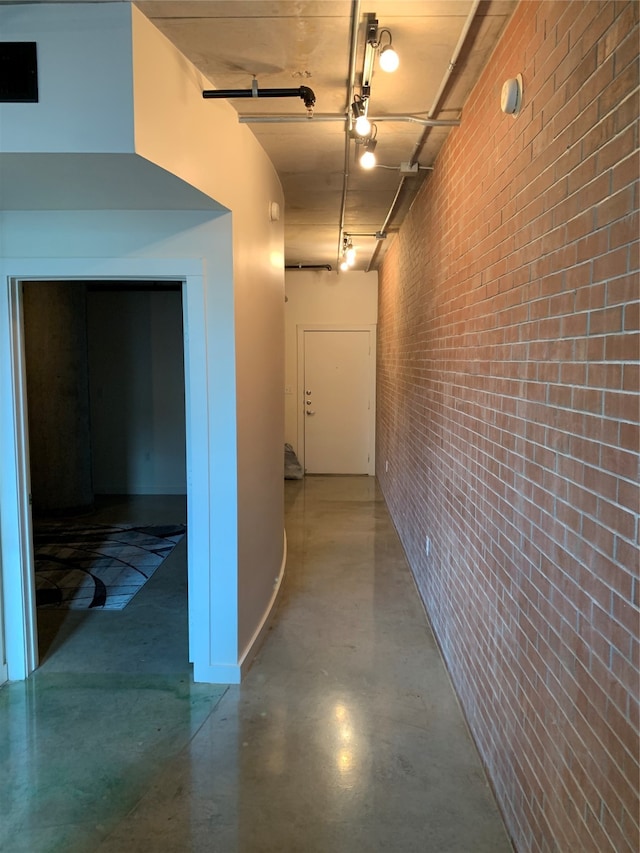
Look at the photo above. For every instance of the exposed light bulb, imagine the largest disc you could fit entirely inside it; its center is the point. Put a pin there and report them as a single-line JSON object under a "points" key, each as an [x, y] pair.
{"points": [[344, 266], [368, 160], [389, 59], [350, 256], [363, 126]]}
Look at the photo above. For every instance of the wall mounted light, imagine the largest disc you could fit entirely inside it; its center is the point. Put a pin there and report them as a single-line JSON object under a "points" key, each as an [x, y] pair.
{"points": [[511, 96]]}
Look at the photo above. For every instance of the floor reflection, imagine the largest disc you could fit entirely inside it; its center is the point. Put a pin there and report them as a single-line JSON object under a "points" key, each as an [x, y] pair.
{"points": [[345, 736]]}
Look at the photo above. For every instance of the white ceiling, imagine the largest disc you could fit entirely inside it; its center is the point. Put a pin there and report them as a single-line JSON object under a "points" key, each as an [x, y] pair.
{"points": [[321, 44]]}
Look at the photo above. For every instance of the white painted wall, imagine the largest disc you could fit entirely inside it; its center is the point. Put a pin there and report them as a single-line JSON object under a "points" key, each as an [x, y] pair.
{"points": [[189, 136], [84, 80], [236, 307], [324, 298], [136, 388]]}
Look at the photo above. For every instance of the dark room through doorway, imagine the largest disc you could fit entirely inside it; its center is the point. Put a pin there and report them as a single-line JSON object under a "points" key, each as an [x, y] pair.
{"points": [[107, 449]]}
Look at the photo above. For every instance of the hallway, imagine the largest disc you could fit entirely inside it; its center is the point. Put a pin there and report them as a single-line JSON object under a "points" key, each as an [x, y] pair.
{"points": [[345, 735]]}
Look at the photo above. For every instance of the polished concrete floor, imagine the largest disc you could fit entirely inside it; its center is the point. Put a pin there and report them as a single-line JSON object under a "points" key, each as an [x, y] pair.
{"points": [[345, 736]]}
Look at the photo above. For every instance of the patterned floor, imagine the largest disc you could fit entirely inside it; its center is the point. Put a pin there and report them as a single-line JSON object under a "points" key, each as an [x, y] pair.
{"points": [[98, 565]]}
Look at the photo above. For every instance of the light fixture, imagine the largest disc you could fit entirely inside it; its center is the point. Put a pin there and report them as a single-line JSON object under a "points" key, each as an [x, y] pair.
{"points": [[359, 110], [368, 158], [511, 96], [348, 254], [389, 59]]}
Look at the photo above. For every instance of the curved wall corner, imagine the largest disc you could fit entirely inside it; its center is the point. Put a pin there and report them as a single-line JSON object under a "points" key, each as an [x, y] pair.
{"points": [[160, 119], [203, 143]]}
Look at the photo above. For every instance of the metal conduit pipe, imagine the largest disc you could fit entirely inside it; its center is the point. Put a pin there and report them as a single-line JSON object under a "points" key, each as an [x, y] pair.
{"points": [[385, 223], [454, 58], [434, 108], [355, 17], [261, 118], [443, 84]]}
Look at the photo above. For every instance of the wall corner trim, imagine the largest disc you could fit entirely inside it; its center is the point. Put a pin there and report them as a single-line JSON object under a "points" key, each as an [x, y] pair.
{"points": [[217, 673]]}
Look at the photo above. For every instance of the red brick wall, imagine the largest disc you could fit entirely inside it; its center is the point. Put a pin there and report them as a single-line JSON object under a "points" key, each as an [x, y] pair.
{"points": [[508, 414]]}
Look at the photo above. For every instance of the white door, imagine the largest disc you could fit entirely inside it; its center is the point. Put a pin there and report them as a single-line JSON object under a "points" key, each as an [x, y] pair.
{"points": [[337, 401]]}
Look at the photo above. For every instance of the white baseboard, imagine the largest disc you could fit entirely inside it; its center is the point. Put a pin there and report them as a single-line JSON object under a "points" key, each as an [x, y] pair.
{"points": [[233, 673], [254, 643], [217, 673]]}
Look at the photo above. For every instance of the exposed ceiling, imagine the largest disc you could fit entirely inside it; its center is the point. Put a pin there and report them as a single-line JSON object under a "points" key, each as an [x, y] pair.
{"points": [[321, 44]]}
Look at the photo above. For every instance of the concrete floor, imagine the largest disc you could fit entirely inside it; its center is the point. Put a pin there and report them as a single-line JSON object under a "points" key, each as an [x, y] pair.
{"points": [[345, 736]]}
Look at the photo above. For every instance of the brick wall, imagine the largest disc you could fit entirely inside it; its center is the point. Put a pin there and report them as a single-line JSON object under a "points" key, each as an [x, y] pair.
{"points": [[508, 414]]}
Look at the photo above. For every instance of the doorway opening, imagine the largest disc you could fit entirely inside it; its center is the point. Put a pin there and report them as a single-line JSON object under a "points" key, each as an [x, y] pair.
{"points": [[105, 387]]}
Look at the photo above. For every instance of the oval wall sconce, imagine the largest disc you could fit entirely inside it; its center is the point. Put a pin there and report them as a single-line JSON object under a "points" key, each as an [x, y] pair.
{"points": [[511, 97]]}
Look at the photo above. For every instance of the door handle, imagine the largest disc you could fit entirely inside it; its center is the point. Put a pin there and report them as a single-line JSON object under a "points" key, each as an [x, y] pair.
{"points": [[309, 412]]}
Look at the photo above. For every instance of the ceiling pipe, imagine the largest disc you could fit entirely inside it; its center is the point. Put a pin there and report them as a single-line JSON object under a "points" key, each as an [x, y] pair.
{"points": [[445, 80], [327, 267], [383, 230], [454, 58], [303, 92], [432, 111], [355, 18], [260, 118]]}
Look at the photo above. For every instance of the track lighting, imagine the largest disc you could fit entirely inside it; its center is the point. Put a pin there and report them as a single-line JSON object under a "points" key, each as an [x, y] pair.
{"points": [[348, 254], [389, 59], [359, 110], [368, 158], [363, 126]]}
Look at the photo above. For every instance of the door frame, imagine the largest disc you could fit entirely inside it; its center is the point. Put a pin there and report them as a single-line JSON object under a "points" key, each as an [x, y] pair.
{"points": [[16, 543], [336, 327]]}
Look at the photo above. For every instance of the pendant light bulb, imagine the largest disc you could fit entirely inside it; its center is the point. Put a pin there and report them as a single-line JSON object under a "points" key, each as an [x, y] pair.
{"points": [[350, 256], [344, 266], [389, 59], [363, 126], [368, 158]]}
